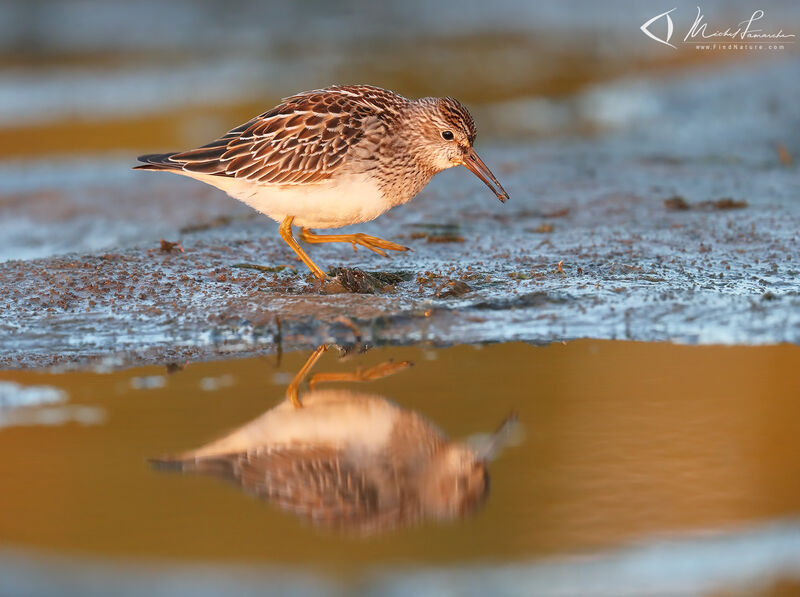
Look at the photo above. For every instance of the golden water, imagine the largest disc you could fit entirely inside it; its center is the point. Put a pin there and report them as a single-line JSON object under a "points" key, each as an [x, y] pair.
{"points": [[622, 442]]}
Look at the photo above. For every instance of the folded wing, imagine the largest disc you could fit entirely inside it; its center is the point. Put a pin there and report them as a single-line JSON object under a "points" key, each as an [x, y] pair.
{"points": [[303, 140]]}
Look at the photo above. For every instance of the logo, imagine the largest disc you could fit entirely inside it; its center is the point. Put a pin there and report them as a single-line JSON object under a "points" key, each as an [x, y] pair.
{"points": [[745, 35], [645, 28]]}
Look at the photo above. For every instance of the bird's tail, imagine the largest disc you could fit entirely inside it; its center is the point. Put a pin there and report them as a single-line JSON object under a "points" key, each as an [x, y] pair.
{"points": [[220, 467], [158, 161], [165, 463]]}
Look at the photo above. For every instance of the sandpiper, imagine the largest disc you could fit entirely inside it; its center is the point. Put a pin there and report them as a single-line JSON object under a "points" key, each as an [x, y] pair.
{"points": [[350, 460], [333, 157]]}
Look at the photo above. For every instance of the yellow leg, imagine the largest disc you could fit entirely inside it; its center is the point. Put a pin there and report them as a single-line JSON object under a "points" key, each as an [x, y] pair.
{"points": [[285, 231], [293, 391], [381, 370], [373, 243]]}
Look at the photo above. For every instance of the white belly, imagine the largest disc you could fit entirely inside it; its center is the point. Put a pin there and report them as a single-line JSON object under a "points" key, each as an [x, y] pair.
{"points": [[334, 418], [330, 204]]}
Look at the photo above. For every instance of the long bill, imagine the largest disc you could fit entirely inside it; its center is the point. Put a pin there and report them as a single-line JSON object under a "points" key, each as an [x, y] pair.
{"points": [[488, 446], [481, 170]]}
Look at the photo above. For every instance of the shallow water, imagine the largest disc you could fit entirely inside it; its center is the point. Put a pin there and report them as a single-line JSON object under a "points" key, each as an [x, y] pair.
{"points": [[622, 445], [637, 469]]}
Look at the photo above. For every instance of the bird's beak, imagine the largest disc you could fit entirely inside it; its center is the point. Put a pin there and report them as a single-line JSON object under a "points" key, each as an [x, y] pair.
{"points": [[488, 447], [479, 169]]}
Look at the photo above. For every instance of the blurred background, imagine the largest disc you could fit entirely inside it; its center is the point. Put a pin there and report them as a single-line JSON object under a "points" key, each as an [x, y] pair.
{"points": [[85, 86], [99, 76]]}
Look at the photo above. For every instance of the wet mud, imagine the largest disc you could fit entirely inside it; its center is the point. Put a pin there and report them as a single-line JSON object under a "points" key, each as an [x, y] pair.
{"points": [[666, 229]]}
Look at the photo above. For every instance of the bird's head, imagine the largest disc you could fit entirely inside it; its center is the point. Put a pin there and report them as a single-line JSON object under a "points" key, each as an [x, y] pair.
{"points": [[456, 484], [443, 133]]}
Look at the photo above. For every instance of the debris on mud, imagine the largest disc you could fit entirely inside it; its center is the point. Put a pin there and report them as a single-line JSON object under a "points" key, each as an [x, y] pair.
{"points": [[783, 155], [262, 268], [678, 203], [218, 222], [358, 281], [728, 203], [168, 247], [452, 288], [441, 238], [558, 213], [438, 233]]}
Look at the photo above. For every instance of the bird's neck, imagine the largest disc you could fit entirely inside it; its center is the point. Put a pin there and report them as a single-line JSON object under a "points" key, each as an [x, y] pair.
{"points": [[402, 183], [402, 172]]}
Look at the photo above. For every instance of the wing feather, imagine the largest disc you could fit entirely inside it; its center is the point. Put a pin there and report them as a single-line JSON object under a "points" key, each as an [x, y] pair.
{"points": [[314, 482], [302, 140]]}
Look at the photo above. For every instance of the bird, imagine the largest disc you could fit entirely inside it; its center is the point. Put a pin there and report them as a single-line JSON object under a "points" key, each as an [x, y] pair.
{"points": [[333, 157], [349, 460]]}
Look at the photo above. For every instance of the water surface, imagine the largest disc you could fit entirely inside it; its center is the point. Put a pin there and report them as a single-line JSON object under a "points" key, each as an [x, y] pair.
{"points": [[624, 444]]}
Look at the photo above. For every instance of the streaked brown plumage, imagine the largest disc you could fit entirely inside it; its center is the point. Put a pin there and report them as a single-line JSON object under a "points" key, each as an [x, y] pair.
{"points": [[333, 157], [349, 460], [354, 478]]}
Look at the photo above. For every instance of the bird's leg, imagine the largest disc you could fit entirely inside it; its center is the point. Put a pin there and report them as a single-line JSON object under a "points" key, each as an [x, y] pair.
{"points": [[381, 370], [285, 231], [293, 391], [373, 243]]}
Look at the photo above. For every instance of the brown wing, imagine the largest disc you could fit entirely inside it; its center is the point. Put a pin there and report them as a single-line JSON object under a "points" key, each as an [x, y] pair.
{"points": [[303, 140], [315, 482]]}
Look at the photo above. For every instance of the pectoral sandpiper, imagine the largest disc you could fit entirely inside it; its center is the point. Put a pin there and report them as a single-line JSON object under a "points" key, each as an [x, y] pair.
{"points": [[333, 157], [350, 460]]}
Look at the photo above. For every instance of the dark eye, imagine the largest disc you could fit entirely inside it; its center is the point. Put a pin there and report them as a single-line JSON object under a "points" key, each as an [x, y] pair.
{"points": [[447, 135]]}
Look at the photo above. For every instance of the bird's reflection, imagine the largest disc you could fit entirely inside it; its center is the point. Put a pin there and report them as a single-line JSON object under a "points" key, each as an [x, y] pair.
{"points": [[350, 460]]}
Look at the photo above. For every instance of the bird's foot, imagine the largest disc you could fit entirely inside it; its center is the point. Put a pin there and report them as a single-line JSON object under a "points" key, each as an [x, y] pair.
{"points": [[377, 372], [373, 243], [293, 389]]}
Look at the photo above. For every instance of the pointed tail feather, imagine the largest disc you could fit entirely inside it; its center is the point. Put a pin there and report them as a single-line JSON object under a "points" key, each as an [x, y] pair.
{"points": [[167, 464], [219, 467], [158, 161]]}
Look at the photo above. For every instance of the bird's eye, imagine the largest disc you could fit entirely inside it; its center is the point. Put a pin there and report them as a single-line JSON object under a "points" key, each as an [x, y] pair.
{"points": [[447, 135]]}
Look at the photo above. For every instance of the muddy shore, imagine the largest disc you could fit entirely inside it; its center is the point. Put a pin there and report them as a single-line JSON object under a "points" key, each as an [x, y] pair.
{"points": [[668, 228]]}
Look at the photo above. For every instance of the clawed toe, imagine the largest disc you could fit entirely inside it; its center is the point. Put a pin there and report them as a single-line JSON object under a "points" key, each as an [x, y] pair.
{"points": [[373, 243]]}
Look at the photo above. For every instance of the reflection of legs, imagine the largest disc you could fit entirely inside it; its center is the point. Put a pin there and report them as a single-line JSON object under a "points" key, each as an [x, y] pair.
{"points": [[285, 231], [292, 391], [373, 243], [381, 370]]}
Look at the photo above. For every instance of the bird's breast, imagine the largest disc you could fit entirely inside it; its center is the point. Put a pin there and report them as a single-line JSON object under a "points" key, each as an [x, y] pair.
{"points": [[341, 201], [401, 179], [332, 418]]}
